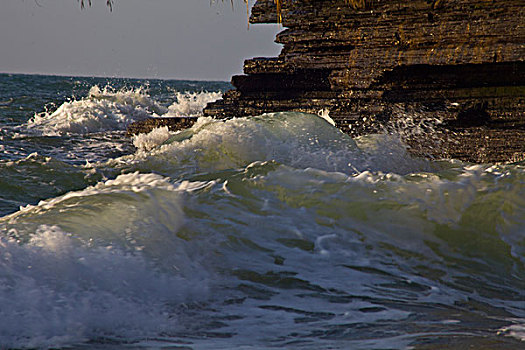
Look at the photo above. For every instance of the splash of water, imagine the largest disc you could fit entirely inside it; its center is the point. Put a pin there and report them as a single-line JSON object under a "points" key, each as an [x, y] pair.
{"points": [[291, 138], [191, 104], [101, 110], [108, 109]]}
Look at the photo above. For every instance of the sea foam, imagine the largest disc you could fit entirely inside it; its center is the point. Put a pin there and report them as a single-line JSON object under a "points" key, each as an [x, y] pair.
{"points": [[56, 290]]}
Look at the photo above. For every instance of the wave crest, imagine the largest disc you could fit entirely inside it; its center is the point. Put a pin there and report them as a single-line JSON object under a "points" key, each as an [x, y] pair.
{"points": [[101, 110], [291, 138]]}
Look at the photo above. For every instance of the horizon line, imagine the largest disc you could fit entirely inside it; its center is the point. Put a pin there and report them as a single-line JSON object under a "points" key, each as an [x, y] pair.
{"points": [[112, 77]]}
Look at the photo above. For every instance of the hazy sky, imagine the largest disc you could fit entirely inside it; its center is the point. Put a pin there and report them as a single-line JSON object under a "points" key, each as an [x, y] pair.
{"points": [[184, 39]]}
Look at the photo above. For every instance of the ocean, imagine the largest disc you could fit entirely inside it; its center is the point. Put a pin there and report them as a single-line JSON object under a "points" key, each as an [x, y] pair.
{"points": [[274, 231]]}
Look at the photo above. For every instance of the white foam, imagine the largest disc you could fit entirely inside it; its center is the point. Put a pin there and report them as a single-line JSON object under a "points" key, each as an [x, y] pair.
{"points": [[107, 109], [191, 103], [325, 114], [101, 110], [155, 138], [295, 138]]}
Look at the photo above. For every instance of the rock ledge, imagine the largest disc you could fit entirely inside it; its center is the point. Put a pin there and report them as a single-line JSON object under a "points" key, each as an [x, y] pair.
{"points": [[449, 73]]}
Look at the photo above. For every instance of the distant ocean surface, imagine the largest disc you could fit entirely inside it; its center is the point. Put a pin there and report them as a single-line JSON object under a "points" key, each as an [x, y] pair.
{"points": [[275, 231]]}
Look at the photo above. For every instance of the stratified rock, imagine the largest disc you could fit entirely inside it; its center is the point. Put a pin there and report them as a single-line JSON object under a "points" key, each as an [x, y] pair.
{"points": [[173, 124], [448, 74]]}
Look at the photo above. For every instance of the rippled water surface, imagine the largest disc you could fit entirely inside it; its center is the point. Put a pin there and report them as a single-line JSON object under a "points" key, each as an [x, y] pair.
{"points": [[275, 231]]}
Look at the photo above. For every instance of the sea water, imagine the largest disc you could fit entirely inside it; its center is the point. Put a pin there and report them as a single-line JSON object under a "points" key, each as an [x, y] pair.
{"points": [[273, 231]]}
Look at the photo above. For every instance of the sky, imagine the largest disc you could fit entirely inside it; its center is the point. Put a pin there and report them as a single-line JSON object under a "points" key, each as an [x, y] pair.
{"points": [[172, 39]]}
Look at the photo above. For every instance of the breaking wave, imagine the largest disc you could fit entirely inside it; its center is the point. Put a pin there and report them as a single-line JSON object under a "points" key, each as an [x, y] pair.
{"points": [[101, 262], [108, 110], [290, 138], [101, 110]]}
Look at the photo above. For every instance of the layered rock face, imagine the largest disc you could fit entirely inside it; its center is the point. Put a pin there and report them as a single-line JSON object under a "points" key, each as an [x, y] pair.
{"points": [[448, 74]]}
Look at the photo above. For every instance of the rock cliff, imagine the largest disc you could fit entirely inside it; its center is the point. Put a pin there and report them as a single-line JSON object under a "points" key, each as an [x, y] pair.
{"points": [[448, 74]]}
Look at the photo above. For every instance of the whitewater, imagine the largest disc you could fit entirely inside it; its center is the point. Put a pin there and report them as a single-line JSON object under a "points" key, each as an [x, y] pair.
{"points": [[271, 231]]}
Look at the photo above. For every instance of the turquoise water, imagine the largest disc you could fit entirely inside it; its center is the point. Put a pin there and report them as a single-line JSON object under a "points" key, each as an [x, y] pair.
{"points": [[276, 231]]}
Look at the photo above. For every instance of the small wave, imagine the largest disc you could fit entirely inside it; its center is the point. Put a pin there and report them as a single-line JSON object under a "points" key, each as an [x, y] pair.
{"points": [[108, 110], [291, 138], [101, 110], [6, 103], [34, 177]]}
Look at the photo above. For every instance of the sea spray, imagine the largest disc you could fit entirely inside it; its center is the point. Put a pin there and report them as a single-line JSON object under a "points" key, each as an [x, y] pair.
{"points": [[191, 103], [101, 110], [108, 109]]}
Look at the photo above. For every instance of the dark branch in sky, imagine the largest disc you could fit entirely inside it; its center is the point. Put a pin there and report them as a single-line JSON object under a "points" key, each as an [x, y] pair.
{"points": [[109, 3]]}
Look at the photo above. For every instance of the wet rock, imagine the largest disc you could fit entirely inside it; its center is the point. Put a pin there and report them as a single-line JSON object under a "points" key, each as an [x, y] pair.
{"points": [[173, 124]]}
